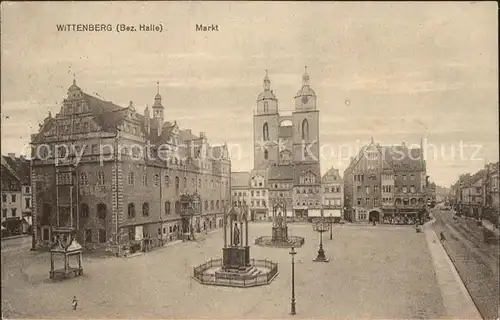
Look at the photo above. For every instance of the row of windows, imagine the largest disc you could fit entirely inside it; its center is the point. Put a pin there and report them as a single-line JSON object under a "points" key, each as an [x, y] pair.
{"points": [[276, 194], [332, 202], [403, 189], [156, 181], [208, 205], [304, 129], [361, 177], [281, 186], [13, 210], [258, 203], [334, 189], [257, 193], [307, 190], [398, 201], [13, 198]]}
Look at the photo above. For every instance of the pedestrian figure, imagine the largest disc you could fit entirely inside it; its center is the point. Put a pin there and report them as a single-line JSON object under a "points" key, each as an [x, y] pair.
{"points": [[74, 303]]}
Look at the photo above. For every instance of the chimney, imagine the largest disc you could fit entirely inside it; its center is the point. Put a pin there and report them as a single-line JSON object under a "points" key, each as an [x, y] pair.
{"points": [[22, 157], [202, 135], [188, 131], [12, 155]]}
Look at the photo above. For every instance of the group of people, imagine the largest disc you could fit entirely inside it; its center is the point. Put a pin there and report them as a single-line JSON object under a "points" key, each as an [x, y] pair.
{"points": [[400, 220]]}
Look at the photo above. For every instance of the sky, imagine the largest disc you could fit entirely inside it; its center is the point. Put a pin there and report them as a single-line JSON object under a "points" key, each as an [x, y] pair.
{"points": [[397, 72]]}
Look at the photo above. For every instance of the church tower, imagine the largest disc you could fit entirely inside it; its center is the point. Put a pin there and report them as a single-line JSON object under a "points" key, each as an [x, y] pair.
{"points": [[265, 128], [306, 125], [158, 107]]}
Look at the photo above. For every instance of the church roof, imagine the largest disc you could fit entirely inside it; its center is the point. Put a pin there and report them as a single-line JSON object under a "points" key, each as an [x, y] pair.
{"points": [[240, 179], [267, 95], [306, 90]]}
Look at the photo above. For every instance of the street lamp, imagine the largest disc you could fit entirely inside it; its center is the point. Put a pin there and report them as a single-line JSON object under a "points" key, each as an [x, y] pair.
{"points": [[293, 253], [331, 226], [321, 227]]}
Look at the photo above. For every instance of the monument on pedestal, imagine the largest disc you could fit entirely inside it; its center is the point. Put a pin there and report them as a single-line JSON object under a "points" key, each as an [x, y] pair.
{"points": [[236, 268], [280, 237]]}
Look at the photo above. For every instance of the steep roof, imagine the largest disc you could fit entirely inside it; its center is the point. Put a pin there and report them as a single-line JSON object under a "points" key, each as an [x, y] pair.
{"points": [[332, 175], [19, 167], [281, 172], [240, 179]]}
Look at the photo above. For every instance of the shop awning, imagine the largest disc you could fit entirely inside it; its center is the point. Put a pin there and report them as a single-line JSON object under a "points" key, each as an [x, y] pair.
{"points": [[332, 213], [314, 213]]}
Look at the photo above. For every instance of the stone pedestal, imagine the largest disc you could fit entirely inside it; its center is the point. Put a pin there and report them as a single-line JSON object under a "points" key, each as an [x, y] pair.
{"points": [[280, 233], [235, 257]]}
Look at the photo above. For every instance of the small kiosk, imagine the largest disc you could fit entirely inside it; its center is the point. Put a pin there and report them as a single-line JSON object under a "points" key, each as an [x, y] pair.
{"points": [[65, 245]]}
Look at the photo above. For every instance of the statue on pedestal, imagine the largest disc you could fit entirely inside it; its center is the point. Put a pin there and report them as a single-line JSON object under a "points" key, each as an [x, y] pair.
{"points": [[236, 234]]}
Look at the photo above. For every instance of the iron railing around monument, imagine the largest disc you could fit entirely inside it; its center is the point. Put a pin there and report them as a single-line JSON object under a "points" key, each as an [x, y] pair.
{"points": [[201, 275], [292, 241]]}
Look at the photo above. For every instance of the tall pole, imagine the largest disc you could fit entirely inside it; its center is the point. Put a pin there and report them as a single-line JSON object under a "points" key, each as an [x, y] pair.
{"points": [[161, 208], [293, 253], [331, 226]]}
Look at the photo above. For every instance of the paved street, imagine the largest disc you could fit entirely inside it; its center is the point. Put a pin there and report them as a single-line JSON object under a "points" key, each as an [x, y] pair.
{"points": [[476, 262], [16, 244], [374, 272]]}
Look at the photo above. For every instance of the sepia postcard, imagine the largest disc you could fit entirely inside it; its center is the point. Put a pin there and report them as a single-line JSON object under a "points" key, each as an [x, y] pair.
{"points": [[249, 160]]}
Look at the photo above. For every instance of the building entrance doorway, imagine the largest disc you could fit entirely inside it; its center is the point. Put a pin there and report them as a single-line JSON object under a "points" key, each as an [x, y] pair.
{"points": [[374, 216]]}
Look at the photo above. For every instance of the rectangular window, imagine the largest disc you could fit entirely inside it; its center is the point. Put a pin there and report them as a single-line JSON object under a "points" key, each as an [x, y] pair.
{"points": [[13, 198], [4, 198], [4, 213], [27, 203], [14, 212]]}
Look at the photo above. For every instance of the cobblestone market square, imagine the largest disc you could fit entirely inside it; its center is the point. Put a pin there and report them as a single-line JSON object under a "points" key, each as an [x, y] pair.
{"points": [[374, 272]]}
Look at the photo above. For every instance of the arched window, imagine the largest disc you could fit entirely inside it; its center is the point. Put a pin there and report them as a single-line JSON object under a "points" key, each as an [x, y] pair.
{"points": [[176, 184], [206, 204], [177, 207], [84, 211], [185, 183], [305, 130], [211, 205], [101, 211], [266, 107], [265, 132], [398, 201], [145, 209], [131, 210], [217, 204], [167, 180], [167, 207], [266, 154]]}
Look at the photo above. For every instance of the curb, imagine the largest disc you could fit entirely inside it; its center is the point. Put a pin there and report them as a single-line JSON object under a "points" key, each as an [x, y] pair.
{"points": [[16, 237], [454, 270]]}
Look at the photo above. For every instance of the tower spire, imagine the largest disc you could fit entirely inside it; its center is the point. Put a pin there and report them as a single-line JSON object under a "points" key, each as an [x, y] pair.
{"points": [[267, 83], [305, 77], [157, 87]]}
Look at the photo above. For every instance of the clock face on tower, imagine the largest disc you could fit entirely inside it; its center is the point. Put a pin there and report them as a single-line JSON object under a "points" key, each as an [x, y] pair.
{"points": [[304, 99]]}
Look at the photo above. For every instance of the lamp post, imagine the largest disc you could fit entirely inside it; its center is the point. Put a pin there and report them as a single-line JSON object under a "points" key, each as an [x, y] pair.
{"points": [[321, 227], [293, 253], [331, 226]]}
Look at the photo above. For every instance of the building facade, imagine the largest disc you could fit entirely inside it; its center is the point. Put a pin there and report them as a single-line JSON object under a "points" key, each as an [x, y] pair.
{"points": [[116, 176], [281, 181], [16, 194], [240, 189], [259, 195], [491, 188], [333, 194], [386, 184], [291, 141]]}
